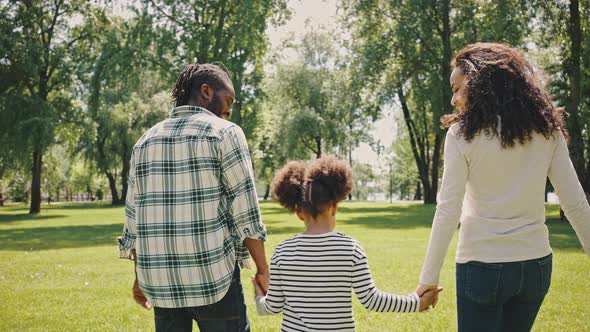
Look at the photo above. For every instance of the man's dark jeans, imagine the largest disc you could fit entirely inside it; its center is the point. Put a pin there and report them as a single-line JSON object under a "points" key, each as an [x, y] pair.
{"points": [[227, 315], [501, 296]]}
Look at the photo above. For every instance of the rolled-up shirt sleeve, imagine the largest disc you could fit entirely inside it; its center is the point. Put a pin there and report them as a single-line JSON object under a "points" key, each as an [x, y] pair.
{"points": [[237, 178], [127, 240]]}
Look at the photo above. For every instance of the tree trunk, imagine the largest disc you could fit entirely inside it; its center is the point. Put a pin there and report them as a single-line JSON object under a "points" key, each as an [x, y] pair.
{"points": [[267, 192], [420, 156], [586, 182], [237, 115], [125, 173], [1, 189], [318, 143], [35, 206], [432, 190], [391, 182], [418, 195], [219, 32], [113, 187], [350, 163], [573, 122], [446, 100], [574, 75]]}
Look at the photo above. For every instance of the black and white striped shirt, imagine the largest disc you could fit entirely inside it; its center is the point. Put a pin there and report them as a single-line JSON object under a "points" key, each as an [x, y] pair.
{"points": [[311, 277]]}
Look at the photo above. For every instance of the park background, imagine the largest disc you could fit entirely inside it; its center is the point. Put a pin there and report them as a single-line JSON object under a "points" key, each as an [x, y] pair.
{"points": [[367, 81]]}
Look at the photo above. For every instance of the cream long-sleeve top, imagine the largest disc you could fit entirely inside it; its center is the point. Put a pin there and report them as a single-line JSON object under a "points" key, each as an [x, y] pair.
{"points": [[498, 197]]}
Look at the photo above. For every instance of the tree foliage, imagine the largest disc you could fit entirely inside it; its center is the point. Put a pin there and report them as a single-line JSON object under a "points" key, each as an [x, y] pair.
{"points": [[230, 32], [406, 48], [38, 62]]}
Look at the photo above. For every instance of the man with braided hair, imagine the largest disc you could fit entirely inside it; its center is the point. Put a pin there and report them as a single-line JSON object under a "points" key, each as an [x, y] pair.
{"points": [[192, 214]]}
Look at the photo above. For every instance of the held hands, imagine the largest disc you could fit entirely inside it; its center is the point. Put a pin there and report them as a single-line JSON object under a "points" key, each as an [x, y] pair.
{"points": [[258, 291], [261, 282], [139, 297], [428, 296], [262, 279]]}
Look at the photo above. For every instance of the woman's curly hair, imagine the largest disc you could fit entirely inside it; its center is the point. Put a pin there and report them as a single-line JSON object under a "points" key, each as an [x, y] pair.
{"points": [[502, 83], [312, 188]]}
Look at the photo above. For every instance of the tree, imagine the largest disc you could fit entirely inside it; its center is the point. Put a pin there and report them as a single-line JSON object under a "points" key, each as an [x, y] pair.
{"points": [[231, 32], [38, 41], [57, 169], [354, 110], [315, 106], [84, 179], [125, 98], [407, 47], [401, 175], [562, 34], [18, 186], [274, 143], [363, 178], [318, 107]]}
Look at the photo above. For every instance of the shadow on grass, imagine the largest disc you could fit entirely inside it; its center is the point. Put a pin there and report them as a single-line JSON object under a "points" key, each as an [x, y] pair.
{"points": [[82, 206], [14, 207], [270, 230], [393, 216], [18, 213], [394, 208], [43, 238], [273, 210], [389, 217], [10, 218], [562, 235]]}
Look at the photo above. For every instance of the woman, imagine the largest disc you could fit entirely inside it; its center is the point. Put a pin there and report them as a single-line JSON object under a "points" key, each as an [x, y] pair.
{"points": [[500, 148]]}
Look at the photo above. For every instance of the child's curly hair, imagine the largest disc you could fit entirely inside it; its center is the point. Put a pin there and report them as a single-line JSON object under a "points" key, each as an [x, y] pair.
{"points": [[312, 188]]}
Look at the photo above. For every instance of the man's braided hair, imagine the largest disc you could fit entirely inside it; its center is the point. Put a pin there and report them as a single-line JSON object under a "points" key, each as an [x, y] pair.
{"points": [[193, 76]]}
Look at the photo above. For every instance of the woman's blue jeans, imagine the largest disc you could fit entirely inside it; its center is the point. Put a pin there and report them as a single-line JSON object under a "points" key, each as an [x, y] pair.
{"points": [[501, 296]]}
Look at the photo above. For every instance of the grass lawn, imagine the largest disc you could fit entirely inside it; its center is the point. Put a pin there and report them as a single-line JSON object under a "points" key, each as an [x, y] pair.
{"points": [[60, 271]]}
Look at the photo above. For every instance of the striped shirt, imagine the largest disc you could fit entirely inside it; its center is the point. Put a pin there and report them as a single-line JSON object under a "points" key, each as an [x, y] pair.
{"points": [[311, 278], [190, 204]]}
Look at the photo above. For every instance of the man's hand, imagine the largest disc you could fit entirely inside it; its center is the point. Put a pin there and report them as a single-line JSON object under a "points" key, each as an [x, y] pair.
{"points": [[257, 289], [262, 279], [139, 297], [256, 248], [429, 297]]}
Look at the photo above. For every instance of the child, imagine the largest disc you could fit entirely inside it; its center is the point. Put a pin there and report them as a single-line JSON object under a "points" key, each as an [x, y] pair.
{"points": [[312, 274]]}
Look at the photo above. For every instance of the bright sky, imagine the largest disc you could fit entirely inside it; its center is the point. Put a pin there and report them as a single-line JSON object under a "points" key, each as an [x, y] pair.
{"points": [[324, 13]]}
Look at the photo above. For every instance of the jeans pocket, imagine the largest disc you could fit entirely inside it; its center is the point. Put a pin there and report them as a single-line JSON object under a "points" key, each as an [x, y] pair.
{"points": [[479, 282], [545, 270]]}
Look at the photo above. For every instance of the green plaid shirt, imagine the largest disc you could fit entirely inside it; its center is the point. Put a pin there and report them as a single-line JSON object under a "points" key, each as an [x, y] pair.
{"points": [[191, 203]]}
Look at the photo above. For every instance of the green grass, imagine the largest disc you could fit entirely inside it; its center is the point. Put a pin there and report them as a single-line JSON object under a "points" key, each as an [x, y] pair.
{"points": [[59, 271]]}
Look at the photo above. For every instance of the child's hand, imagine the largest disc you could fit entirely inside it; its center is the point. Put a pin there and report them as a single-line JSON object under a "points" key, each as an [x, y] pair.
{"points": [[257, 288], [428, 298]]}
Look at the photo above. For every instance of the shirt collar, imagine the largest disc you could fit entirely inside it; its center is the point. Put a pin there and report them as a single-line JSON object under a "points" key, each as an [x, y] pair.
{"points": [[187, 110]]}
